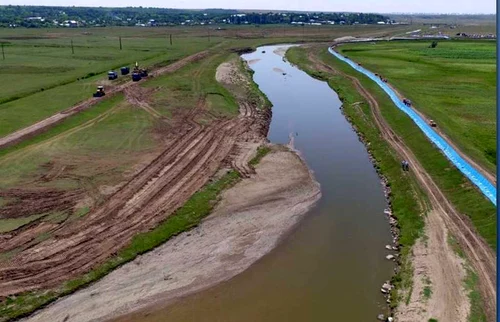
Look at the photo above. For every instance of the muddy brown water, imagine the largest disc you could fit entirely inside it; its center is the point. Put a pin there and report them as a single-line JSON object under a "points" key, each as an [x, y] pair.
{"points": [[331, 267]]}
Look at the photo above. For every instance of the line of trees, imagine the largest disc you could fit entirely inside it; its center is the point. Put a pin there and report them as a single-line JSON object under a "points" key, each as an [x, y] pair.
{"points": [[42, 16]]}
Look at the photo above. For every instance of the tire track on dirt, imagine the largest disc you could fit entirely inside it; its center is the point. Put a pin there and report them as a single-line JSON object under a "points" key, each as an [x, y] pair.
{"points": [[183, 167], [477, 250]]}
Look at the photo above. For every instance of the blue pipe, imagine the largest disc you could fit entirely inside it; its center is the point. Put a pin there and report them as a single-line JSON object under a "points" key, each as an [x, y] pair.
{"points": [[469, 171]]}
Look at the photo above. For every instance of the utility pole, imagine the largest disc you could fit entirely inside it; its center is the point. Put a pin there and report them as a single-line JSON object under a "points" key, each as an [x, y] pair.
{"points": [[3, 53], [120, 39], [72, 49], [170, 39], [303, 26], [209, 34]]}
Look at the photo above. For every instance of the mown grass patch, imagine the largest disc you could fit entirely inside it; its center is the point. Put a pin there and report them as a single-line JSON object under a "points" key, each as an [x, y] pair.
{"points": [[183, 90], [91, 148], [67, 124]]}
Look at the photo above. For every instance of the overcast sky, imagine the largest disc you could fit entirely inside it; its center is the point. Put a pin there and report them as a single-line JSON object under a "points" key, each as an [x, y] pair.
{"points": [[383, 6]]}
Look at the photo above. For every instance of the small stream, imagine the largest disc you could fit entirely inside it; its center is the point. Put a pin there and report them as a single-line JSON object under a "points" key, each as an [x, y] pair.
{"points": [[332, 266]]}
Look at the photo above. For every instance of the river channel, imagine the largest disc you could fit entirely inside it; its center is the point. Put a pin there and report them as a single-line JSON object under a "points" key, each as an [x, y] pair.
{"points": [[331, 267]]}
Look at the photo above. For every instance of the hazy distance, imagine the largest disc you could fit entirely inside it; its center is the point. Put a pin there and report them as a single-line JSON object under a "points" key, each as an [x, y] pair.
{"points": [[381, 6]]}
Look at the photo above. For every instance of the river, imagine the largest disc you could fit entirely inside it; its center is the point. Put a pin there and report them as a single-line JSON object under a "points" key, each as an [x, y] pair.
{"points": [[331, 267]]}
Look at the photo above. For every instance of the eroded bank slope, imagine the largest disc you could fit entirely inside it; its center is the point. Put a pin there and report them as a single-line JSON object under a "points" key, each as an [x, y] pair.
{"points": [[248, 222]]}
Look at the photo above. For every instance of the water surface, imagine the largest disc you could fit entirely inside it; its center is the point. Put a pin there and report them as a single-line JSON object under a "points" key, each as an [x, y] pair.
{"points": [[333, 264]]}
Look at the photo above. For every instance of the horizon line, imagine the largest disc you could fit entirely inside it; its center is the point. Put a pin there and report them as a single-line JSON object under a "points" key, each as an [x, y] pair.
{"points": [[256, 10]]}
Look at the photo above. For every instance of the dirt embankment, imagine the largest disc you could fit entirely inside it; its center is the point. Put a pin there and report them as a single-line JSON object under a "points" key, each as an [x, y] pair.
{"points": [[442, 217], [248, 222]]}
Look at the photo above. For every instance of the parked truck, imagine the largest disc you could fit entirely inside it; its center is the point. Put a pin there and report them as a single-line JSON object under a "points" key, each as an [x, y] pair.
{"points": [[112, 75], [125, 70]]}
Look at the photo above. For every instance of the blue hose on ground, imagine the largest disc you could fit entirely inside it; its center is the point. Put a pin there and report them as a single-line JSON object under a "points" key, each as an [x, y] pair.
{"points": [[470, 172]]}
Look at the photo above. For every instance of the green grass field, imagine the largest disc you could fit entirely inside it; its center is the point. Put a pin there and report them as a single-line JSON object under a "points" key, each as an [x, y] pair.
{"points": [[183, 89], [453, 84], [48, 81]]}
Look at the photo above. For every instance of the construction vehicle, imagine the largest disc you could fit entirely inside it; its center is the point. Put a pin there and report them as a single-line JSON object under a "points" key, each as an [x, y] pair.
{"points": [[138, 73], [99, 92], [432, 123], [125, 70], [136, 77], [112, 75]]}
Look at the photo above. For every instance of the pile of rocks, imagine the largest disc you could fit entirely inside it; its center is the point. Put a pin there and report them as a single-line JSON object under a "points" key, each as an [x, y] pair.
{"points": [[395, 229], [382, 317]]}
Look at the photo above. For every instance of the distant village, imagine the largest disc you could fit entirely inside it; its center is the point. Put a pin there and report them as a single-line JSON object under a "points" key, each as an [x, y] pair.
{"points": [[74, 17], [78, 17]]}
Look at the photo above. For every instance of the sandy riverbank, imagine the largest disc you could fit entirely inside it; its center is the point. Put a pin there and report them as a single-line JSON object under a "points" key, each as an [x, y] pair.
{"points": [[249, 221]]}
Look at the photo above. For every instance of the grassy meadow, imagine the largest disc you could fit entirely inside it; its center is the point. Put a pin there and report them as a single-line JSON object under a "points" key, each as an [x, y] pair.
{"points": [[453, 84]]}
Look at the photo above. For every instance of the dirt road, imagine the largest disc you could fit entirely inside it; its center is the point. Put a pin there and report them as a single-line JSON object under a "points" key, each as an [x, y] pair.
{"points": [[438, 278], [248, 222], [47, 123], [481, 256]]}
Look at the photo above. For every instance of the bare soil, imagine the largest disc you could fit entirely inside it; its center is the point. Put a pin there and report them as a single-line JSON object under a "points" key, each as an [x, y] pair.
{"points": [[436, 267], [25, 202], [479, 253], [280, 51], [248, 222]]}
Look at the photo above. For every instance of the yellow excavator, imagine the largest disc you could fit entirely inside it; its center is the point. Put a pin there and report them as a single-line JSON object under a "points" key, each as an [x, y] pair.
{"points": [[138, 73]]}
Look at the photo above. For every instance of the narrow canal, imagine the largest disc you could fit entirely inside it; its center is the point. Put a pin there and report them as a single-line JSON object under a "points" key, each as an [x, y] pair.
{"points": [[333, 264]]}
